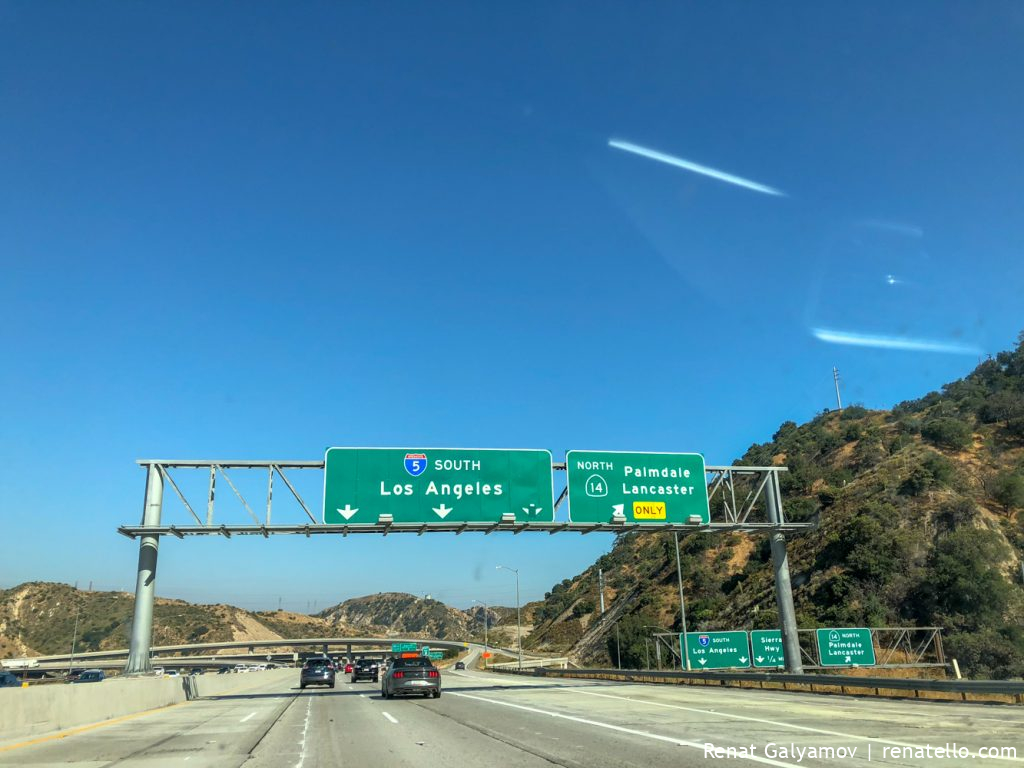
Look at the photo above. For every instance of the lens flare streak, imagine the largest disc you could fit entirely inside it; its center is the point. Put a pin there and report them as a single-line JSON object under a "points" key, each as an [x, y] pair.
{"points": [[686, 165]]}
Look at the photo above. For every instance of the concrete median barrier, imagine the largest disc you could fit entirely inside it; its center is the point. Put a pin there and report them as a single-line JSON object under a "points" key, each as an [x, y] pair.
{"points": [[38, 710]]}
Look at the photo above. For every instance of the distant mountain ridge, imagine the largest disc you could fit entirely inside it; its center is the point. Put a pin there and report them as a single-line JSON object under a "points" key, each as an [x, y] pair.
{"points": [[38, 618]]}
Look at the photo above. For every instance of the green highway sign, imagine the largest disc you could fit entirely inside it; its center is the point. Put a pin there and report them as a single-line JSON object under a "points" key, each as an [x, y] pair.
{"points": [[435, 655], [845, 647], [436, 485], [766, 648], [717, 650], [652, 488], [425, 650], [403, 647]]}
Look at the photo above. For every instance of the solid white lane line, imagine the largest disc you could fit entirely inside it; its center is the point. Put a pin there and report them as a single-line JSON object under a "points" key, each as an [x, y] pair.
{"points": [[389, 717], [619, 728], [250, 716], [811, 729]]}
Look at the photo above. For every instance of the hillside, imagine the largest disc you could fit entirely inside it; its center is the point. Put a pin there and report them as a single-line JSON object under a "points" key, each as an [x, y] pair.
{"points": [[394, 613], [38, 618], [921, 523]]}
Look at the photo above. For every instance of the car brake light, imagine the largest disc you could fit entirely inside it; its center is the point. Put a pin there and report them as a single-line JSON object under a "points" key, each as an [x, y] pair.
{"points": [[398, 675], [433, 673]]}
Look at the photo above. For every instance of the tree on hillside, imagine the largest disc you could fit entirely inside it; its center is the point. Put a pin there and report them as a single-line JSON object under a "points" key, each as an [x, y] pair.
{"points": [[947, 432], [1007, 489], [962, 586]]}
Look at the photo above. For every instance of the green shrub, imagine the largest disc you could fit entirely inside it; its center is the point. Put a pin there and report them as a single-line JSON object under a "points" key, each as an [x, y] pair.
{"points": [[947, 432], [1007, 489]]}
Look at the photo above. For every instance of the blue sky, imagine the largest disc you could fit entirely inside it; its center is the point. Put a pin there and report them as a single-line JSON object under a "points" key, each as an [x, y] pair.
{"points": [[255, 231]]}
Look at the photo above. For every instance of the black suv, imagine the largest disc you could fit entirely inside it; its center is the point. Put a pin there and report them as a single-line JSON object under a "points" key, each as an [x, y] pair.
{"points": [[318, 670], [365, 669]]}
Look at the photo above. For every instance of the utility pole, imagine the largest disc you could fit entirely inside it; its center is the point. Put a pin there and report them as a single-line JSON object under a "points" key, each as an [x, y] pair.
{"points": [[835, 378], [600, 583], [74, 639], [618, 647]]}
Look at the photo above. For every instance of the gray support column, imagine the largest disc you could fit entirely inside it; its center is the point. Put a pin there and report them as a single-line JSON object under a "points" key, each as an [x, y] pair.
{"points": [[145, 584], [348, 653], [783, 586]]}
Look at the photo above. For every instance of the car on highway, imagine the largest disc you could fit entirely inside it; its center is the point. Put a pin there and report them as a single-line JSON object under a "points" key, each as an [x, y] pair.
{"points": [[224, 671], [197, 671], [172, 673], [348, 669], [317, 671], [72, 675], [365, 669], [7, 680], [416, 675], [460, 665], [90, 676]]}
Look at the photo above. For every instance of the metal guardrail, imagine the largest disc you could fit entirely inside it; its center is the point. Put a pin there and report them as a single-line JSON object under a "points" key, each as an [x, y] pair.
{"points": [[963, 688], [561, 663]]}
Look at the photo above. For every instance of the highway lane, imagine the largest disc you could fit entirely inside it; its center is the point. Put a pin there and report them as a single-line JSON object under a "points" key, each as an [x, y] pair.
{"points": [[489, 719]]}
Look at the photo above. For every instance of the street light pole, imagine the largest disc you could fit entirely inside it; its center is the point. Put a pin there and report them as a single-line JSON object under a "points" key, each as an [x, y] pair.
{"points": [[486, 622], [519, 619]]}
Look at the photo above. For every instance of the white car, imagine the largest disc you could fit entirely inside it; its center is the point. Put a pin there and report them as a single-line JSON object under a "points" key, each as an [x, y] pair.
{"points": [[171, 673], [158, 671]]}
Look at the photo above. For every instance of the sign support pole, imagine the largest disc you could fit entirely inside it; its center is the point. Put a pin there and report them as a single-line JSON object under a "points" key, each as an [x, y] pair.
{"points": [[145, 585], [783, 585], [682, 602]]}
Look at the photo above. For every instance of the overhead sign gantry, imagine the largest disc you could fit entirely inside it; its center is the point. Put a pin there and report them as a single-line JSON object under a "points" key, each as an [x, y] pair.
{"points": [[447, 490]]}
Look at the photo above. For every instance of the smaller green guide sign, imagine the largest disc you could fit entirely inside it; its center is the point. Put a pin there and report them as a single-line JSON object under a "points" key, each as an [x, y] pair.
{"points": [[845, 647], [717, 650], [435, 655], [403, 647], [766, 648]]}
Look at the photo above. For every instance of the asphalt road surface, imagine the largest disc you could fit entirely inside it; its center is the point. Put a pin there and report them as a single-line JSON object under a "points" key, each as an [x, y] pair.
{"points": [[491, 720]]}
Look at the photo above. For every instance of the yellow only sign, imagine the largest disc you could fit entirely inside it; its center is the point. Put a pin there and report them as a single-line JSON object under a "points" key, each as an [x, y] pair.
{"points": [[649, 510]]}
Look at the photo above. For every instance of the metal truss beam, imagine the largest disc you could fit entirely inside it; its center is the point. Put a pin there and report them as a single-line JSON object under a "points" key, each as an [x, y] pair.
{"points": [[180, 531], [733, 493]]}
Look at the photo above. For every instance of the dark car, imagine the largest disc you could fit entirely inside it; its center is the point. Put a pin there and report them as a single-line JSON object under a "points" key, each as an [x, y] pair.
{"points": [[414, 675], [365, 669], [7, 680], [197, 671], [460, 665], [224, 671], [90, 676], [317, 671]]}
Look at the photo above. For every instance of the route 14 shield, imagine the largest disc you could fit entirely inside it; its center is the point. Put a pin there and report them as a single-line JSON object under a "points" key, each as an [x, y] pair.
{"points": [[415, 463]]}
